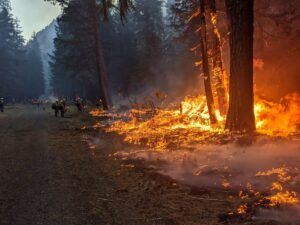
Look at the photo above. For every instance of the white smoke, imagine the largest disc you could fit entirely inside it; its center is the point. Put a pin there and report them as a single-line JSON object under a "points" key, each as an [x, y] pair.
{"points": [[212, 165]]}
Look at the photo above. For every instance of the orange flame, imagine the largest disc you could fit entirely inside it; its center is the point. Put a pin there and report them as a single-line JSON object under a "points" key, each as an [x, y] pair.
{"points": [[159, 128], [278, 119]]}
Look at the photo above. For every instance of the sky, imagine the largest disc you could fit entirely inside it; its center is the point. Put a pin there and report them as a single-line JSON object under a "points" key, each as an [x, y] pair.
{"points": [[34, 15]]}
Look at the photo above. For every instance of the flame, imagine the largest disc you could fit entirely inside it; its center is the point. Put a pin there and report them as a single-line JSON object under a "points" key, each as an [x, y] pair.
{"points": [[281, 119], [286, 198], [161, 128], [280, 194], [226, 184], [242, 209], [188, 122]]}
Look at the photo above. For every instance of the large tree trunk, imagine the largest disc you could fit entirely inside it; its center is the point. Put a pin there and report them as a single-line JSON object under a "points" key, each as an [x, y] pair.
{"points": [[100, 63], [240, 115], [218, 69], [205, 65]]}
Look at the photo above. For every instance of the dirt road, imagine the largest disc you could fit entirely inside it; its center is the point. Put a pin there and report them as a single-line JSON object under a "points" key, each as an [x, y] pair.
{"points": [[51, 176]]}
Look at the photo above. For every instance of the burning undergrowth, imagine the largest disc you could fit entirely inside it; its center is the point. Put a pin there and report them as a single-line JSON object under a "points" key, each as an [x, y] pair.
{"points": [[187, 123], [178, 141]]}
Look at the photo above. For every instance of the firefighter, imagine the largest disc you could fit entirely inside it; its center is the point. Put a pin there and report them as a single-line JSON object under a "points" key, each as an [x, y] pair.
{"points": [[62, 107], [55, 107], [2, 104], [99, 104], [79, 104]]}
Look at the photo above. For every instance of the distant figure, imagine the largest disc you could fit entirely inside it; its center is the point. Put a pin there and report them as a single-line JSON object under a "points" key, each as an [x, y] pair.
{"points": [[59, 106], [55, 107], [62, 107], [79, 104], [99, 104], [2, 104], [36, 102]]}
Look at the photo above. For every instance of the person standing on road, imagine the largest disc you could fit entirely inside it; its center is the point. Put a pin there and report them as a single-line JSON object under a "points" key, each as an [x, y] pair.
{"points": [[2, 104], [79, 104], [99, 104], [62, 107], [55, 107]]}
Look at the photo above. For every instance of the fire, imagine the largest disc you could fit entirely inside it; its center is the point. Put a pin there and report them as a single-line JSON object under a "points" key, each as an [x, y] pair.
{"points": [[226, 184], [286, 198], [281, 119], [161, 128], [188, 122], [280, 172], [281, 190], [242, 209], [280, 194]]}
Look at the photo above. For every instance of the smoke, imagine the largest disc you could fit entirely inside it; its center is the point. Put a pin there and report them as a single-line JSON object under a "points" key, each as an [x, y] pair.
{"points": [[45, 38], [283, 215], [234, 167], [207, 164]]}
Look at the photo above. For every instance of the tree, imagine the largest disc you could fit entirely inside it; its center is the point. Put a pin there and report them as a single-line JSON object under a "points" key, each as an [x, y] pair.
{"points": [[218, 72], [93, 17], [196, 12], [11, 55], [73, 61], [34, 69], [240, 115], [5, 4], [205, 65], [148, 27]]}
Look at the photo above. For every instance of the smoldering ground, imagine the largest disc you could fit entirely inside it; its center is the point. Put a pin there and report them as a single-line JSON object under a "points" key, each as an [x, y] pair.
{"points": [[257, 168]]}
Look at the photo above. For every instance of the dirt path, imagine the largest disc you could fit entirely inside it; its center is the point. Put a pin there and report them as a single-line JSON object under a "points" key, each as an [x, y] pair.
{"points": [[50, 176], [46, 173]]}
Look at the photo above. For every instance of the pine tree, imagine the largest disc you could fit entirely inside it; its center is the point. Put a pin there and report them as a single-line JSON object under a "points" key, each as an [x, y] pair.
{"points": [[241, 98], [148, 27], [34, 69], [11, 55], [74, 61], [5, 4], [89, 14]]}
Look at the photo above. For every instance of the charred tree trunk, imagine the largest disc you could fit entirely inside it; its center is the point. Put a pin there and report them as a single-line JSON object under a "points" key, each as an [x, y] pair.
{"points": [[205, 65], [100, 64], [218, 69], [240, 115]]}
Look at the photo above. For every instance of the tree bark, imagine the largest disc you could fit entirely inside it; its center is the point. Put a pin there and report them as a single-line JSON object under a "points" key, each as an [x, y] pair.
{"points": [[218, 69], [100, 63], [240, 115], [205, 65]]}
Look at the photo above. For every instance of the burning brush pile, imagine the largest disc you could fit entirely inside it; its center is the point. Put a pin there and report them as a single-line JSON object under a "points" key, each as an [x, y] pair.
{"points": [[179, 141]]}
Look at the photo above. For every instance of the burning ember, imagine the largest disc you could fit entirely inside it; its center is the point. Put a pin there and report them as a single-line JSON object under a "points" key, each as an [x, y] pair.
{"points": [[282, 191]]}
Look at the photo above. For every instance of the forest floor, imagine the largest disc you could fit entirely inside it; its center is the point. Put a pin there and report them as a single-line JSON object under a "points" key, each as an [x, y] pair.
{"points": [[51, 175]]}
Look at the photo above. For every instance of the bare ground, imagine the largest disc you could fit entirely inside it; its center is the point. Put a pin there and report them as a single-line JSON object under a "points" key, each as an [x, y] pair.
{"points": [[51, 176]]}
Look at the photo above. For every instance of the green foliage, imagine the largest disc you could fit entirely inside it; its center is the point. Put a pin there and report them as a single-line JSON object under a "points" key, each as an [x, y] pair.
{"points": [[34, 69], [5, 4], [73, 60], [140, 55], [14, 65], [104, 6]]}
